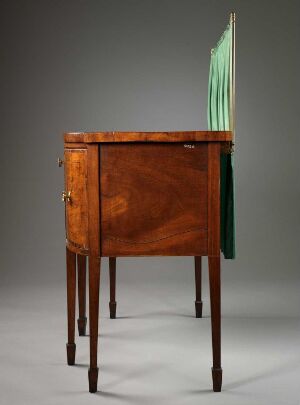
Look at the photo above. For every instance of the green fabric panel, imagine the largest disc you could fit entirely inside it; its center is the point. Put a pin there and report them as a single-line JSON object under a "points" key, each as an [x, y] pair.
{"points": [[218, 116]]}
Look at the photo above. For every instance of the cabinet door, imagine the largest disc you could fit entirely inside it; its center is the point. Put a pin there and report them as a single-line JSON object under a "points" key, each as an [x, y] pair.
{"points": [[76, 205]]}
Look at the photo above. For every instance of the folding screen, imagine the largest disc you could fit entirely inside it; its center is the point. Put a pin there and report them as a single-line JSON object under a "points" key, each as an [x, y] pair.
{"points": [[221, 116]]}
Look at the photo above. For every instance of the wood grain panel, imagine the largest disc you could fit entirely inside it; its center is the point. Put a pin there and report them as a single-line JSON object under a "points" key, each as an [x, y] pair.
{"points": [[76, 209], [153, 199], [213, 199], [93, 199]]}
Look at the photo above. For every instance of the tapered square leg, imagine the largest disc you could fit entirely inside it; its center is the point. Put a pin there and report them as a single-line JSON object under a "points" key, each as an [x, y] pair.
{"points": [[93, 379], [81, 269], [81, 323], [71, 350], [94, 285], [215, 303], [217, 379], [112, 309], [112, 282], [71, 299], [198, 285]]}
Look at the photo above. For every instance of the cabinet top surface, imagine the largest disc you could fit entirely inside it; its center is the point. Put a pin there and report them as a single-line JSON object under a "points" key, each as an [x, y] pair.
{"points": [[144, 136]]}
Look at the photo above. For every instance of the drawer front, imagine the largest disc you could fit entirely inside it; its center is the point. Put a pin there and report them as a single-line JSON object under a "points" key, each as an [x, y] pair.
{"points": [[154, 199], [76, 206]]}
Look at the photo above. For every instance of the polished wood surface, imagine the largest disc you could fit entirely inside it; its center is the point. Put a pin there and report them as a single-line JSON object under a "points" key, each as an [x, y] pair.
{"points": [[112, 284], [76, 209], [71, 302], [141, 194], [93, 193], [198, 286], [213, 214], [215, 304], [170, 136], [81, 271], [154, 199]]}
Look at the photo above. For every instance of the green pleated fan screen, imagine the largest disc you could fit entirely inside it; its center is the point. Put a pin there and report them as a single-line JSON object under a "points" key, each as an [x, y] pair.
{"points": [[219, 113]]}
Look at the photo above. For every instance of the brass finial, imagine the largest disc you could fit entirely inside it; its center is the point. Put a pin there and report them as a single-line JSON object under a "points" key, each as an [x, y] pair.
{"points": [[232, 16]]}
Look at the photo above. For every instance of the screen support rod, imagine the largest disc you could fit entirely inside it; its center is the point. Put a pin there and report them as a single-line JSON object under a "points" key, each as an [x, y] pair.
{"points": [[232, 64]]}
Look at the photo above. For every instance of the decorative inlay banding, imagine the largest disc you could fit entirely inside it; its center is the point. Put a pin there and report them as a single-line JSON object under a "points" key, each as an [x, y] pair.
{"points": [[133, 242]]}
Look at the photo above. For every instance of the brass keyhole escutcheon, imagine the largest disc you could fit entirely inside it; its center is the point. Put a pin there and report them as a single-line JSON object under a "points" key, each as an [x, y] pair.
{"points": [[60, 162], [66, 196]]}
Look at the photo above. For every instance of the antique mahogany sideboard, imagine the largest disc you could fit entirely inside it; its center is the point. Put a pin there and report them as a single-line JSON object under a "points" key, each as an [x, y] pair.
{"points": [[140, 194]]}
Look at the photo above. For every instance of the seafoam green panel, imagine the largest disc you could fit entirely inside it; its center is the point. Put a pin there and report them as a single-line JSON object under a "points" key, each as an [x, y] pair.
{"points": [[218, 116]]}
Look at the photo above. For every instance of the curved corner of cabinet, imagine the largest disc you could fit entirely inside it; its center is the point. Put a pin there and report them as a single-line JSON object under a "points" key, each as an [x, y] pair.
{"points": [[76, 205]]}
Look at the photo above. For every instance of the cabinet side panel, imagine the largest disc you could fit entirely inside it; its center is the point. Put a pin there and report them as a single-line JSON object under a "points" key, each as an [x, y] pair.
{"points": [[154, 199]]}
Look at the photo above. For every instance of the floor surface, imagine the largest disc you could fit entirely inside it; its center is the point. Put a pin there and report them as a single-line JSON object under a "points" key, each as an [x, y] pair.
{"points": [[155, 352]]}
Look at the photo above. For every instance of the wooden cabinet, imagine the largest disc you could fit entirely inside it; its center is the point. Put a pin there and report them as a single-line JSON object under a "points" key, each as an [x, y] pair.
{"points": [[141, 194]]}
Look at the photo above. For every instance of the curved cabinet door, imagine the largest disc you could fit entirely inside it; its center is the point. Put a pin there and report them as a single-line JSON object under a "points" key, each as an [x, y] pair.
{"points": [[76, 197]]}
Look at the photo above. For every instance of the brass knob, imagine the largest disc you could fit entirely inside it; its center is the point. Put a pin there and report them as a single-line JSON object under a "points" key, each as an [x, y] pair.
{"points": [[66, 196], [60, 162]]}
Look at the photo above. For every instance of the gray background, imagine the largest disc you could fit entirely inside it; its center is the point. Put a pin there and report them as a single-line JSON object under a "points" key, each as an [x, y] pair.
{"points": [[143, 65]]}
